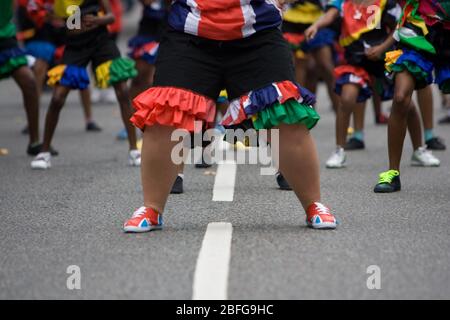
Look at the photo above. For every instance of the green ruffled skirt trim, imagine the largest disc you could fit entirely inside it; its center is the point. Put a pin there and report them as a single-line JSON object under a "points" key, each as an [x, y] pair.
{"points": [[417, 72], [122, 69], [11, 65], [290, 112]]}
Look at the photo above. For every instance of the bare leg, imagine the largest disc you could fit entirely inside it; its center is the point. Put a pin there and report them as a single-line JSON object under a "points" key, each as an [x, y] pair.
{"points": [[404, 87], [376, 100], [300, 70], [58, 99], [312, 77], [324, 61], [359, 116], [414, 127], [40, 69], [158, 172], [85, 97], [126, 111], [299, 162], [347, 106], [25, 79], [425, 100], [144, 79]]}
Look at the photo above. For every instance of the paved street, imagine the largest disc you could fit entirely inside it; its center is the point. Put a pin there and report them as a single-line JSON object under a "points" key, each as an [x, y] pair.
{"points": [[73, 213]]}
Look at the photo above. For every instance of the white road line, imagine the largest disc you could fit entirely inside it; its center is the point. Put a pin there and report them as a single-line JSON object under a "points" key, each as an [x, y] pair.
{"points": [[211, 272], [224, 181]]}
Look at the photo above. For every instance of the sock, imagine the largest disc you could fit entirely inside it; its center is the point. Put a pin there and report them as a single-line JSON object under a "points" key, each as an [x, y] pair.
{"points": [[181, 175], [359, 135], [428, 134]]}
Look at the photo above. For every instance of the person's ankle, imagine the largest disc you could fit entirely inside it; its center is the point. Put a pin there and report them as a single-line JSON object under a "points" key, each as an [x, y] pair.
{"points": [[154, 208]]}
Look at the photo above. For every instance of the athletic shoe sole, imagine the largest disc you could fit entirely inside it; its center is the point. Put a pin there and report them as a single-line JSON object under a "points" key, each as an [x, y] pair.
{"points": [[40, 166], [335, 166], [141, 230], [386, 190], [420, 164], [322, 226]]}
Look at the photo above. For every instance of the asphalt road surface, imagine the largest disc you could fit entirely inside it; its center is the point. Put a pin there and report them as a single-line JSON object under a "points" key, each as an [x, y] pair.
{"points": [[72, 214]]}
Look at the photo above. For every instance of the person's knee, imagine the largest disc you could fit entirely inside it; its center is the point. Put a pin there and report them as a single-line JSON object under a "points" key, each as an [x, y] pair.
{"points": [[26, 80], [347, 101], [402, 99], [57, 101]]}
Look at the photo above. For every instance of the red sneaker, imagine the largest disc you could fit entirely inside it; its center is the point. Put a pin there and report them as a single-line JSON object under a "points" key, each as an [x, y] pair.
{"points": [[143, 220], [319, 216]]}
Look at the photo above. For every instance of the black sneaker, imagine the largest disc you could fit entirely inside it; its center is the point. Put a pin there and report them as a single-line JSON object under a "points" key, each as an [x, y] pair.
{"points": [[177, 187], [435, 143], [282, 183], [388, 182], [354, 144], [444, 120], [34, 150], [93, 127]]}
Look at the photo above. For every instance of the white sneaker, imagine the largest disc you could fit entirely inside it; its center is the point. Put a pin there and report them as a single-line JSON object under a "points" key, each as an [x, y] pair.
{"points": [[109, 96], [337, 159], [41, 161], [424, 158], [95, 95], [134, 158]]}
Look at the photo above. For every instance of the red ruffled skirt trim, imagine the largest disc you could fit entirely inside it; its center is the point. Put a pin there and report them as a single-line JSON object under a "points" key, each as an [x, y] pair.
{"points": [[173, 107], [357, 71]]}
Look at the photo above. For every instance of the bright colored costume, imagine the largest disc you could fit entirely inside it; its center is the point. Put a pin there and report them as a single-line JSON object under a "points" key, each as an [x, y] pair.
{"points": [[364, 27], [236, 45], [423, 36], [95, 46], [146, 43], [11, 56], [298, 17], [43, 39]]}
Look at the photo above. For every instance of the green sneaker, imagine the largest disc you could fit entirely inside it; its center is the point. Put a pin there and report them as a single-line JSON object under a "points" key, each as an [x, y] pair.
{"points": [[389, 181]]}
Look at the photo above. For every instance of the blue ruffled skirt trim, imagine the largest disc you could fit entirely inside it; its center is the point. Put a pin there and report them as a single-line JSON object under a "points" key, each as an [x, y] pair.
{"points": [[41, 50]]}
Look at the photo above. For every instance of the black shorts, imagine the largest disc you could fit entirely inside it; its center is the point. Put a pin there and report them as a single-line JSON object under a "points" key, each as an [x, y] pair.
{"points": [[208, 66], [94, 46]]}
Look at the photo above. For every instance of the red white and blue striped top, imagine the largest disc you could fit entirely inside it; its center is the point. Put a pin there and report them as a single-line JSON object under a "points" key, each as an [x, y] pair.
{"points": [[224, 19]]}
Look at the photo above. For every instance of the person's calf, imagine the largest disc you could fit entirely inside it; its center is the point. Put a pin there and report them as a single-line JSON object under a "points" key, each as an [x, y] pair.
{"points": [[299, 162]]}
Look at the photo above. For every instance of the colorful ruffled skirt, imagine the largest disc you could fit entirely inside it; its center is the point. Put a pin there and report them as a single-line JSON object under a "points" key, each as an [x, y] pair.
{"points": [[106, 74], [10, 60], [412, 61], [346, 74], [267, 107], [144, 48], [41, 50], [325, 37]]}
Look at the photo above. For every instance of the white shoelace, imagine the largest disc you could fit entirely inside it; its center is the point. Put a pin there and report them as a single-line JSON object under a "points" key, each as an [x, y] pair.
{"points": [[321, 208], [139, 212]]}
